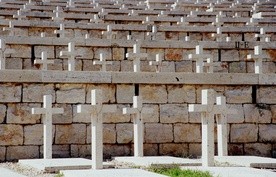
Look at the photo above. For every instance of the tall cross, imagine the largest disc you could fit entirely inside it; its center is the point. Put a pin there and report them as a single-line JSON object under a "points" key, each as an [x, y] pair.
{"points": [[263, 36], [102, 62], [96, 110], [258, 58], [109, 33], [3, 52], [157, 63], [199, 56], [61, 31], [47, 123], [71, 54], [208, 110], [138, 112], [136, 56], [218, 22], [44, 61]]}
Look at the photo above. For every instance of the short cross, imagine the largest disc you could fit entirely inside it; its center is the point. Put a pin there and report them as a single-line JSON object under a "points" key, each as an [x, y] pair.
{"points": [[3, 52], [193, 13], [96, 110], [153, 32], [199, 57], [219, 36], [218, 22], [258, 58], [70, 3], [61, 31], [138, 111], [44, 61], [252, 22], [71, 54], [47, 123], [109, 33], [132, 13], [147, 21], [263, 36], [157, 63], [102, 62], [11, 29], [95, 19], [19, 15], [136, 56], [58, 14], [182, 22]]}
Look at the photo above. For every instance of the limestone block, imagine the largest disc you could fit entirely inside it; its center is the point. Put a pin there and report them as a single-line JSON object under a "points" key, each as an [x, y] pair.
{"points": [[145, 67], [152, 53], [187, 133], [122, 35], [174, 54], [257, 113], [115, 150], [59, 151], [184, 66], [230, 55], [158, 133], [171, 35], [70, 93], [14, 63], [22, 152], [235, 36], [89, 66], [195, 150], [106, 51], [239, 116], [243, 133], [35, 92], [78, 64], [267, 132], [174, 113], [66, 117], [137, 35], [181, 94], [116, 117], [237, 67], [154, 116], [2, 154], [194, 117], [268, 67], [149, 150], [118, 53], [3, 109], [153, 93], [124, 133], [238, 94], [22, 51], [124, 93], [70, 134], [80, 151], [49, 49], [34, 31], [266, 95], [273, 111], [235, 149], [249, 37], [208, 37], [181, 35], [21, 113], [243, 55], [218, 89], [33, 134], [80, 32], [179, 150], [109, 134], [195, 36], [107, 89], [258, 149], [126, 66], [11, 135], [10, 93], [28, 64], [186, 53], [85, 52], [95, 33], [271, 52]]}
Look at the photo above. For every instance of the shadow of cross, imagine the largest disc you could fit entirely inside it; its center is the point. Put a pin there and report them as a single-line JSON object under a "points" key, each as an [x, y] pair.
{"points": [[137, 110], [96, 110], [48, 111], [208, 110]]}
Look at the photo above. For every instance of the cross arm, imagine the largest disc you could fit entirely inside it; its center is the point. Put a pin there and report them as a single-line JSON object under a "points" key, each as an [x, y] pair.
{"points": [[86, 109], [197, 108], [130, 111], [38, 111]]}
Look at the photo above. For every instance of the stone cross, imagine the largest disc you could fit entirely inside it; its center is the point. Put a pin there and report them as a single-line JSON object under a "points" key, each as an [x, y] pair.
{"points": [[96, 19], [182, 22], [96, 110], [199, 56], [208, 110], [153, 32], [218, 22], [70, 3], [71, 54], [138, 112], [263, 36], [132, 13], [252, 22], [109, 33], [258, 58], [3, 52], [102, 62], [11, 29], [44, 61], [157, 63], [58, 12], [61, 31], [19, 15], [219, 36], [147, 21], [47, 123], [136, 56], [193, 13]]}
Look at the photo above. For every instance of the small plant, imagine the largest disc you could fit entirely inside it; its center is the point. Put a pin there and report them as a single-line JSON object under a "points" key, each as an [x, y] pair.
{"points": [[60, 175]]}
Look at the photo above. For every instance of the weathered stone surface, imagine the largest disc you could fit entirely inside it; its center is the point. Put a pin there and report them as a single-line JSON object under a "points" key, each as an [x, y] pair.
{"points": [[195, 150], [35, 92], [266, 95], [181, 94], [59, 151], [268, 67], [118, 53], [235, 149], [10, 92], [66, 117], [229, 55], [3, 109], [49, 49], [21, 113], [124, 93], [184, 66], [116, 117], [244, 133], [109, 134], [152, 53], [2, 154], [70, 134], [115, 150], [273, 110], [14, 63], [257, 113], [237, 67], [70, 93], [158, 133], [22, 152], [218, 89], [124, 133], [149, 150], [11, 135], [22, 51], [33, 134], [238, 94], [180, 150], [187, 133], [171, 35], [152, 117], [194, 117], [174, 113], [258, 149], [81, 151], [238, 117], [267, 132], [173, 54], [108, 92], [106, 51], [153, 93]]}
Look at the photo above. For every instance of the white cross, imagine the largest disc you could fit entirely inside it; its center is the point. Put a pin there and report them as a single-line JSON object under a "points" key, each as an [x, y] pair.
{"points": [[96, 19], [3, 52], [252, 22], [263, 36], [208, 110], [258, 58], [136, 56], [11, 29], [96, 110], [153, 32], [102, 13], [19, 15], [58, 14], [157, 63], [109, 33], [218, 22], [138, 111], [182, 22], [147, 21], [133, 13], [219, 36], [102, 62], [199, 57], [193, 13], [71, 54], [44, 61], [47, 123], [70, 3], [61, 31]]}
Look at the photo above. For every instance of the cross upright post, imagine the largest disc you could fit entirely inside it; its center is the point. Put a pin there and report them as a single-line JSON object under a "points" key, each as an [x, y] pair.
{"points": [[61, 31], [258, 59], [48, 111], [153, 32], [71, 54], [136, 55], [157, 63], [19, 15], [183, 22], [11, 29], [95, 19], [199, 57], [263, 36], [3, 52], [96, 110], [109, 33], [58, 14], [219, 36], [102, 62], [44, 61], [147, 21]]}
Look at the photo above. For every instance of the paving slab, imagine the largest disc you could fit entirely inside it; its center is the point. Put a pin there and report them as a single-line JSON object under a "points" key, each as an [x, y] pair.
{"points": [[8, 173], [55, 165], [111, 172], [158, 160], [248, 161], [235, 171]]}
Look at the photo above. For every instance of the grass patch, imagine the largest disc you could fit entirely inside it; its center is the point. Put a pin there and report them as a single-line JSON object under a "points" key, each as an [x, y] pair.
{"points": [[177, 172], [59, 175]]}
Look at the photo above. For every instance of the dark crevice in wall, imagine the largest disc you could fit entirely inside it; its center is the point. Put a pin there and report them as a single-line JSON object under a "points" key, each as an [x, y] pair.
{"points": [[136, 89]]}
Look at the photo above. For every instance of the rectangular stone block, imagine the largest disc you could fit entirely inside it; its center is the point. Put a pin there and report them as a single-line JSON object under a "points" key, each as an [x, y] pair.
{"points": [[124, 133], [70, 93], [124, 93], [33, 134], [150, 150], [111, 150], [173, 54], [237, 67], [266, 95], [11, 135], [239, 116], [173, 149], [81, 151], [173, 113], [273, 111], [195, 150], [49, 49], [258, 149], [238, 94], [66, 117], [187, 133], [118, 53], [152, 117], [152, 53], [243, 133], [2, 154], [70, 134], [10, 93], [153, 93], [257, 113], [109, 134], [267, 132], [158, 133], [22, 152], [14, 63], [35, 92], [181, 94], [22, 51], [3, 109], [107, 89], [184, 66], [230, 55]]}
